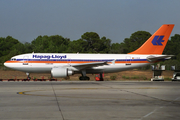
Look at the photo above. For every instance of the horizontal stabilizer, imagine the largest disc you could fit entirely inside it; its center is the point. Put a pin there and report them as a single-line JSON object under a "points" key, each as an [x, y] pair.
{"points": [[153, 58]]}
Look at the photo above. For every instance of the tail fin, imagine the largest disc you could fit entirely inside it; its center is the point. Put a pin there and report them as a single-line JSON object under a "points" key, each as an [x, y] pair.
{"points": [[157, 42]]}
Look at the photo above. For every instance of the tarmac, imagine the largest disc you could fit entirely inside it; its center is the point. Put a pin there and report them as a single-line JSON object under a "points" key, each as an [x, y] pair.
{"points": [[89, 100]]}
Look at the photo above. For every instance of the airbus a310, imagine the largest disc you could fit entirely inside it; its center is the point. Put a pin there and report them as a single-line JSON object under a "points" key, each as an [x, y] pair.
{"points": [[66, 64]]}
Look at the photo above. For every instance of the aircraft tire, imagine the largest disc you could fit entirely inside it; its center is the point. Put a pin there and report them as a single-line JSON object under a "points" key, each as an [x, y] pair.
{"points": [[84, 78]]}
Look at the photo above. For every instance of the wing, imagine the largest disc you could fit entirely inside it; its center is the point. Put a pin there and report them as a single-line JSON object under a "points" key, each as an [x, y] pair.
{"points": [[89, 65], [153, 58]]}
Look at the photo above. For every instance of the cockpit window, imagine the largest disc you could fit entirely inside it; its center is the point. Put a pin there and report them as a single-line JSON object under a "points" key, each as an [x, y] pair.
{"points": [[13, 59]]}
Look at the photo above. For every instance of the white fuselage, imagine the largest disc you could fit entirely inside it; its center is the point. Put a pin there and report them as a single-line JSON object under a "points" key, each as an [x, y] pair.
{"points": [[44, 62]]}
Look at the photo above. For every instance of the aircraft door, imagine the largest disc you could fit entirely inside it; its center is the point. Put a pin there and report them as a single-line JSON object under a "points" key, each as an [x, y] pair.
{"points": [[69, 61], [128, 60], [25, 60]]}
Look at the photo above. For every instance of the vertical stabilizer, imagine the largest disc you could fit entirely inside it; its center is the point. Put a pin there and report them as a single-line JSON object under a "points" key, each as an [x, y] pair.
{"points": [[157, 42]]}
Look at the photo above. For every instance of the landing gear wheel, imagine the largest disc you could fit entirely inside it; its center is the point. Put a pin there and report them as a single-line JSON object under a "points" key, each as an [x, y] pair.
{"points": [[28, 78], [87, 78], [84, 78]]}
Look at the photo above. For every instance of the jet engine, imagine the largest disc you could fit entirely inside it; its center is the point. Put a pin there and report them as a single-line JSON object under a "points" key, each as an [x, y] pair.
{"points": [[61, 72]]}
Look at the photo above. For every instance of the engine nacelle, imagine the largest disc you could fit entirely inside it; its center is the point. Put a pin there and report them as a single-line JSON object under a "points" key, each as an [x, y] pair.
{"points": [[61, 72]]}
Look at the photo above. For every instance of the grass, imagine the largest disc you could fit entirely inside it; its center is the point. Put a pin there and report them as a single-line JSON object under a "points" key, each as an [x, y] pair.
{"points": [[113, 77], [167, 78], [123, 75], [135, 77]]}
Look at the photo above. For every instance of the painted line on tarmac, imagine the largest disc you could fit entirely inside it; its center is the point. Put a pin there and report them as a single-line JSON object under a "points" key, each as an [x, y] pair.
{"points": [[30, 93], [170, 102]]}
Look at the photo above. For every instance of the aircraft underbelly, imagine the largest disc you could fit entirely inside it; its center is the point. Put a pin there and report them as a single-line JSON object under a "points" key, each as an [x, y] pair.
{"points": [[115, 68]]}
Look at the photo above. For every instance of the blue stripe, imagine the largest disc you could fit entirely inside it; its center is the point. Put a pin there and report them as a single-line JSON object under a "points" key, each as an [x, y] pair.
{"points": [[82, 60]]}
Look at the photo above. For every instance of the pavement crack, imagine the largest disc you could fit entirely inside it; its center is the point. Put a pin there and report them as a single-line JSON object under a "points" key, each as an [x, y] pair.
{"points": [[169, 101], [57, 102]]}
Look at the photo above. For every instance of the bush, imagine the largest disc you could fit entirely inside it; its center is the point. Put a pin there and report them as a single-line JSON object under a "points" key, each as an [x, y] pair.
{"points": [[113, 77], [67, 78], [167, 78], [125, 77]]}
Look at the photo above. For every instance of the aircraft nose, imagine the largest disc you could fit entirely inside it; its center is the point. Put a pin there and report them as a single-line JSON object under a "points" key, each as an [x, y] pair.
{"points": [[6, 64]]}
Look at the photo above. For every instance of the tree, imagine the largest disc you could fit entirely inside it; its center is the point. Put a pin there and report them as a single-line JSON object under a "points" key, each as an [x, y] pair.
{"points": [[49, 44], [172, 47], [9, 46], [77, 46], [118, 48], [105, 45], [136, 40], [37, 45], [92, 39], [95, 44], [28, 47]]}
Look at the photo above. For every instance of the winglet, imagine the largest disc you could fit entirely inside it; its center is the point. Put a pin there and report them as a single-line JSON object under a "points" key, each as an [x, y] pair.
{"points": [[157, 42]]}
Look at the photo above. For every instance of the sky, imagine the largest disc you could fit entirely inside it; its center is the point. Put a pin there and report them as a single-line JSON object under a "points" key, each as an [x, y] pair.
{"points": [[25, 20]]}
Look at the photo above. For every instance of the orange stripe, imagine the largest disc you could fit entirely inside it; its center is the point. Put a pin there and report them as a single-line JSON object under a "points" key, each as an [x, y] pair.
{"points": [[73, 62], [16, 61], [132, 62]]}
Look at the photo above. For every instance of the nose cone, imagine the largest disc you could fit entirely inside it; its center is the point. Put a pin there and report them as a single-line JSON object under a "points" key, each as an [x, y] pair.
{"points": [[6, 64], [11, 64]]}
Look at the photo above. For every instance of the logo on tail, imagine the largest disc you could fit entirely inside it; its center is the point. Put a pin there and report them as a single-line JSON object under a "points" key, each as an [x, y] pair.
{"points": [[158, 40]]}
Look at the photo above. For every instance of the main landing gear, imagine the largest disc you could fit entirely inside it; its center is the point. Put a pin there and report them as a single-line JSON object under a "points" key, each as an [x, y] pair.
{"points": [[84, 77], [99, 77], [28, 77]]}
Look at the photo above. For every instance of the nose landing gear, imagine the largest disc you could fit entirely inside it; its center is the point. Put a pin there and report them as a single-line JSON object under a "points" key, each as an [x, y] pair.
{"points": [[28, 76]]}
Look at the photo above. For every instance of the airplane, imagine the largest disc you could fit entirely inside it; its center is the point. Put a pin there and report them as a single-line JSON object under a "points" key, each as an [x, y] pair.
{"points": [[66, 64]]}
